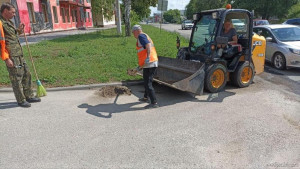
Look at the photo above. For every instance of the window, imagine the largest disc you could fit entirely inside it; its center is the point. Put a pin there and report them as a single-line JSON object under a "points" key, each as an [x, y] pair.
{"points": [[287, 34], [45, 13], [62, 13], [31, 12], [204, 34], [89, 17], [68, 14], [263, 32], [74, 15], [55, 14]]}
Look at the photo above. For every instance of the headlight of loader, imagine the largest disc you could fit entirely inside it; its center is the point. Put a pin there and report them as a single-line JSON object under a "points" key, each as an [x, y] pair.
{"points": [[296, 51]]}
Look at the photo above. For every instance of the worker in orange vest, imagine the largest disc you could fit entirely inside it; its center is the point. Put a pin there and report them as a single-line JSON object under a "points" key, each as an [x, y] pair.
{"points": [[12, 54], [148, 61]]}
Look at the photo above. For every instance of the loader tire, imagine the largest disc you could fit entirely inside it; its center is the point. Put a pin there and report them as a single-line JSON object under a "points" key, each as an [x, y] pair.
{"points": [[243, 75], [215, 78]]}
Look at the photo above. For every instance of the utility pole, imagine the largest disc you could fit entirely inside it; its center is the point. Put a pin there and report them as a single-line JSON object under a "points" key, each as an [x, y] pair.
{"points": [[119, 29], [161, 13]]}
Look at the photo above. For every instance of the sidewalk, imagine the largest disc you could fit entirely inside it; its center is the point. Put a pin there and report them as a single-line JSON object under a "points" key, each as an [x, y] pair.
{"points": [[53, 35]]}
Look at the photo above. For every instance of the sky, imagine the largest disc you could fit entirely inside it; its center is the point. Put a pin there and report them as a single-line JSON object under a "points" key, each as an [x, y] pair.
{"points": [[172, 4]]}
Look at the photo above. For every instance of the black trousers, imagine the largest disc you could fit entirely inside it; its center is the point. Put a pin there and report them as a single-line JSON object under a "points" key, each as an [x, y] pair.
{"points": [[148, 74]]}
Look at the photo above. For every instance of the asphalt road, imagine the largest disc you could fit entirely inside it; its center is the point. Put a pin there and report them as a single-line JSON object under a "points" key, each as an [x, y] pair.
{"points": [[254, 127]]}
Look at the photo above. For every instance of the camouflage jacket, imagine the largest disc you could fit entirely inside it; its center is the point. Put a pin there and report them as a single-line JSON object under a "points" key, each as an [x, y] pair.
{"points": [[11, 38]]}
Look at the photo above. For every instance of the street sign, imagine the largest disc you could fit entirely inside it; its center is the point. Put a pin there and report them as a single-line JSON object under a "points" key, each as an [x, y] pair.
{"points": [[162, 5]]}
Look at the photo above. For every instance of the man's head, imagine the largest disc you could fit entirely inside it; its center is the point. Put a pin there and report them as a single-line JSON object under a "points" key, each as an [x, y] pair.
{"points": [[136, 30], [227, 24], [8, 11]]}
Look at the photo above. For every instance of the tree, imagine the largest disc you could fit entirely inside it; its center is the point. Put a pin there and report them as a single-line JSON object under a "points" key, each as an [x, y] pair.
{"points": [[139, 8], [195, 6], [127, 5], [266, 8], [190, 9], [262, 8], [294, 12], [103, 7], [172, 16], [142, 7]]}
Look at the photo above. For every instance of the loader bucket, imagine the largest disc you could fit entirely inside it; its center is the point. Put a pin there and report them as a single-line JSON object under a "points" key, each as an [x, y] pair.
{"points": [[180, 74]]}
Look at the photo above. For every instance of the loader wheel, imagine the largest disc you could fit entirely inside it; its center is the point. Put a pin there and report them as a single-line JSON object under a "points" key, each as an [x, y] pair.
{"points": [[243, 75], [215, 78]]}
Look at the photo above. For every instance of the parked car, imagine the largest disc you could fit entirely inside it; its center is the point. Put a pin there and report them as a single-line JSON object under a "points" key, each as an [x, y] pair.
{"points": [[283, 44], [239, 25], [257, 22], [295, 21], [187, 24]]}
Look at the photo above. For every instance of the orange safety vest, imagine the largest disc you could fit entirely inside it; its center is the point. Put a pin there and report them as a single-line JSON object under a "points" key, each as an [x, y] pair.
{"points": [[4, 52], [142, 53]]}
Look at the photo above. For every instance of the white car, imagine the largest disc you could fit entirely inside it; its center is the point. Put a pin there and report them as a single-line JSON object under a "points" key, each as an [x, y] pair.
{"points": [[239, 25], [187, 24], [283, 44]]}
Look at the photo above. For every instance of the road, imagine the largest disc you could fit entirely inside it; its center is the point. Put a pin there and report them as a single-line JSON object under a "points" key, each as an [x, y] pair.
{"points": [[253, 127]]}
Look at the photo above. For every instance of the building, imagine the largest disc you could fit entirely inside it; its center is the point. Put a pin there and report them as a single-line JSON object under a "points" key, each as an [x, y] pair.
{"points": [[156, 17], [52, 15], [100, 20]]}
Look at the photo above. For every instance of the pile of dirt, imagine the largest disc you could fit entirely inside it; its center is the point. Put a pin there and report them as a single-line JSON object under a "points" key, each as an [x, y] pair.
{"points": [[112, 91], [131, 72]]}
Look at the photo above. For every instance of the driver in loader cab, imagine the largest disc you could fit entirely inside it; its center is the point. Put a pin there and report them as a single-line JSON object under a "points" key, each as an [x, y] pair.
{"points": [[232, 47], [229, 32]]}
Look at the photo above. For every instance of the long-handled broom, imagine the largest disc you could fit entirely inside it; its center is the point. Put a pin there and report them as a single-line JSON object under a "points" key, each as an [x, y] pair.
{"points": [[41, 91]]}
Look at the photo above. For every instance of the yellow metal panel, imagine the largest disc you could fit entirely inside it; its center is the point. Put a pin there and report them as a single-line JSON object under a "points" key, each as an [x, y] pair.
{"points": [[259, 53]]}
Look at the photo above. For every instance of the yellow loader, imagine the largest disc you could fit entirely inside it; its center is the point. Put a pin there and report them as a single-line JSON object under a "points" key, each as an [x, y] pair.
{"points": [[209, 62]]}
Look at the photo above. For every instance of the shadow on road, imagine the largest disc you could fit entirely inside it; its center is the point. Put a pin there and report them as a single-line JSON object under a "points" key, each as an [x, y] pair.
{"points": [[8, 105], [166, 97], [106, 110], [288, 72]]}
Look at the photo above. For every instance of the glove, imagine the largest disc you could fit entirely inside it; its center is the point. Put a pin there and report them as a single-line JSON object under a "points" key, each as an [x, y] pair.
{"points": [[147, 60]]}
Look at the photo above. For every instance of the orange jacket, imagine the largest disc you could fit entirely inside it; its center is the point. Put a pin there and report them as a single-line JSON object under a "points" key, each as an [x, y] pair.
{"points": [[4, 52], [142, 53]]}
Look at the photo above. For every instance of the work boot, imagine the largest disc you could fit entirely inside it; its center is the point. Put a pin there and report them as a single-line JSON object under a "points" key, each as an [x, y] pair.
{"points": [[143, 99], [151, 106], [33, 100], [24, 104]]}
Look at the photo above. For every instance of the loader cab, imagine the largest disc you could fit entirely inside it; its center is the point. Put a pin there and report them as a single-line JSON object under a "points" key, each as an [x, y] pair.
{"points": [[206, 39]]}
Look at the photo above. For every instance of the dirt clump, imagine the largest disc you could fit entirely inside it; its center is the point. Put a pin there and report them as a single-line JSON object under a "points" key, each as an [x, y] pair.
{"points": [[132, 72], [112, 91]]}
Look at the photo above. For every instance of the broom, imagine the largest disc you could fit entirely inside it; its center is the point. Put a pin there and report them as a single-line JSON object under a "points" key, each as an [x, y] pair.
{"points": [[41, 91]]}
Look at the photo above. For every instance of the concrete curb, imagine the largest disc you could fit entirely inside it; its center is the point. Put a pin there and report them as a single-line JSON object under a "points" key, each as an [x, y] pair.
{"points": [[83, 87]]}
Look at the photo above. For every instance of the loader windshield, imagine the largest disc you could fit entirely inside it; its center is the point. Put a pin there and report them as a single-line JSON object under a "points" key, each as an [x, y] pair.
{"points": [[204, 33]]}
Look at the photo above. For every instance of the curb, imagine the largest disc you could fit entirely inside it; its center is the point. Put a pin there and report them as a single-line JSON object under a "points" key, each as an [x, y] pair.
{"points": [[82, 87]]}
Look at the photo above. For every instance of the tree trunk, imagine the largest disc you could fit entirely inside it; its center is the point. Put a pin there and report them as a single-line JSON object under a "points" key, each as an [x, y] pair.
{"points": [[119, 29], [127, 4]]}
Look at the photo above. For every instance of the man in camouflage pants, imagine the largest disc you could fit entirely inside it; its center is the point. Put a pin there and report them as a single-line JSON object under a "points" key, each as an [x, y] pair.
{"points": [[19, 73]]}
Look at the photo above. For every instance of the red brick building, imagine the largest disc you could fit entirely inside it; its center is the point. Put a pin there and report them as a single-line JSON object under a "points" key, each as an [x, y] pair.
{"points": [[52, 15]]}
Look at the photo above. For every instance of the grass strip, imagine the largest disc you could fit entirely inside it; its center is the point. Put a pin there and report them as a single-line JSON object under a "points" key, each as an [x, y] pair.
{"points": [[97, 57]]}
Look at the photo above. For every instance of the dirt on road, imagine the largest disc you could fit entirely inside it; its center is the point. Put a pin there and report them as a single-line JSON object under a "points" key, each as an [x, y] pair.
{"points": [[112, 91]]}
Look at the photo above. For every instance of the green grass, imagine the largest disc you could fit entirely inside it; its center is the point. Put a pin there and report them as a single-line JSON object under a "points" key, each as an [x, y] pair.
{"points": [[97, 57]]}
